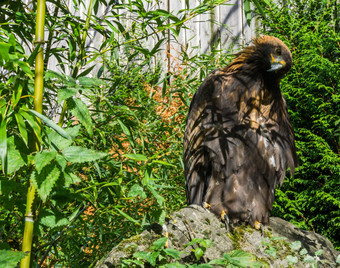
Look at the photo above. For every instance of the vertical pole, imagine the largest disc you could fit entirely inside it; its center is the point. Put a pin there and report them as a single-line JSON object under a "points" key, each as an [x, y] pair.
{"points": [[38, 95]]}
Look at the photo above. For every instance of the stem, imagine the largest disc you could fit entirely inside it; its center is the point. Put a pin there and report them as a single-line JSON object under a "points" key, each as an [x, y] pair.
{"points": [[38, 95]]}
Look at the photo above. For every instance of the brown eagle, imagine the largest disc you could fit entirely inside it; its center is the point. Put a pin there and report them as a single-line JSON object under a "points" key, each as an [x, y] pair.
{"points": [[238, 140]]}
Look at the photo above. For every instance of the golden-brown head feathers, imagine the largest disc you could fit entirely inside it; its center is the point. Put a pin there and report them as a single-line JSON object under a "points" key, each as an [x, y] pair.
{"points": [[268, 54]]}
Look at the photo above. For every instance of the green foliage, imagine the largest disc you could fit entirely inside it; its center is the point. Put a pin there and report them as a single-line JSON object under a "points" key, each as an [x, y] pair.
{"points": [[311, 199], [114, 163], [9, 258], [159, 256]]}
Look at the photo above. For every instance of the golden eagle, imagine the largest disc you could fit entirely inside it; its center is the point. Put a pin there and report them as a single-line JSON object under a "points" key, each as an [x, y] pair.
{"points": [[238, 141]]}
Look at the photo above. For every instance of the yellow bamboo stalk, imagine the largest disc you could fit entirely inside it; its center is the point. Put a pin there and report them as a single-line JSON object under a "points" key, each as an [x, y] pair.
{"points": [[38, 95]]}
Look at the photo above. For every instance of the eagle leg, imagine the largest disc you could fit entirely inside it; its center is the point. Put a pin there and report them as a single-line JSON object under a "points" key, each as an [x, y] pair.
{"points": [[258, 225]]}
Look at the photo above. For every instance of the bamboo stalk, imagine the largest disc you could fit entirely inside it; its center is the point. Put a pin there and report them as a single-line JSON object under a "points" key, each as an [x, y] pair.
{"points": [[38, 96]]}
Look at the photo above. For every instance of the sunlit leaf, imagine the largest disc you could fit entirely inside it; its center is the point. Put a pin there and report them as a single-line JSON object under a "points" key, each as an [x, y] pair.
{"points": [[45, 180], [77, 154], [79, 109]]}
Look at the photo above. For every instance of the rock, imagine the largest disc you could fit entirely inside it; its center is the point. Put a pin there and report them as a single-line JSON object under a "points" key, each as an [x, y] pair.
{"points": [[281, 244]]}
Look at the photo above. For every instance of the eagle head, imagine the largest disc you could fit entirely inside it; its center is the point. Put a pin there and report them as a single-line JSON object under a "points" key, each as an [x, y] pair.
{"points": [[268, 56], [276, 56]]}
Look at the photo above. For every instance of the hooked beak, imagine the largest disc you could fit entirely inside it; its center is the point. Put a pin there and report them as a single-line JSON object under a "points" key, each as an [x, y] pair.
{"points": [[276, 63]]}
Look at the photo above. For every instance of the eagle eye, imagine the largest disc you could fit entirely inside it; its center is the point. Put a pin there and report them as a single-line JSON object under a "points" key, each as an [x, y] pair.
{"points": [[278, 51]]}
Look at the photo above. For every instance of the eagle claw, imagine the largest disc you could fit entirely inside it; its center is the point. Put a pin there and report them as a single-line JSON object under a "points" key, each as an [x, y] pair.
{"points": [[225, 219], [258, 225]]}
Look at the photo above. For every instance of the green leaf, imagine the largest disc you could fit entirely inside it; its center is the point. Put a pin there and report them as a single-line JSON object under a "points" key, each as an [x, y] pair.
{"points": [[173, 253], [79, 109], [303, 251], [65, 93], [45, 180], [42, 159], [89, 81], [152, 257], [16, 156], [127, 216], [22, 127], [77, 154], [3, 145], [247, 11], [160, 199], [292, 259], [61, 161], [10, 258], [136, 157], [198, 253], [338, 259], [271, 251], [137, 190], [51, 124], [71, 178], [160, 243], [318, 253], [296, 245], [51, 221], [32, 122]]}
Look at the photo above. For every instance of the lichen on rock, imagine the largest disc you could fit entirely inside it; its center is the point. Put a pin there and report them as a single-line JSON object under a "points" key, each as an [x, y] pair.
{"points": [[281, 245]]}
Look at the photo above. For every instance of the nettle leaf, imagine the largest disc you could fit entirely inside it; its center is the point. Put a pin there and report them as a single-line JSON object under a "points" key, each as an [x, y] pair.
{"points": [[71, 178], [51, 221], [61, 161], [65, 93], [45, 180], [77, 154], [137, 190], [173, 253], [16, 158], [42, 159], [10, 258], [56, 141], [79, 109], [160, 243]]}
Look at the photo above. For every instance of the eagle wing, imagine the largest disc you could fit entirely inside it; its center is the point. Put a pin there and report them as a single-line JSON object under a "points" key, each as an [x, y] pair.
{"points": [[238, 144]]}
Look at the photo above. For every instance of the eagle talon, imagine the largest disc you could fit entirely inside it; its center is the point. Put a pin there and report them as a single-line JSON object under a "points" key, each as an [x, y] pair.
{"points": [[225, 219], [258, 225], [206, 205]]}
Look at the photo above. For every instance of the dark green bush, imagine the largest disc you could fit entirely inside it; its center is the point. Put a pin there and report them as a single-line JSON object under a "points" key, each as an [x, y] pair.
{"points": [[311, 200]]}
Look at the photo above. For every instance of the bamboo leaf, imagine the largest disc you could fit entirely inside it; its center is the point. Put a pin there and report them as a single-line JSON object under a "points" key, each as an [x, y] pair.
{"points": [[22, 127], [33, 123], [51, 124], [136, 157], [79, 109], [78, 154], [127, 216], [247, 11]]}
